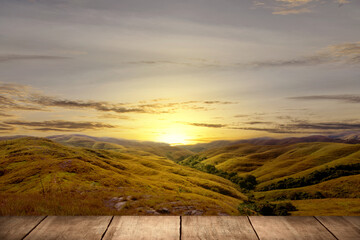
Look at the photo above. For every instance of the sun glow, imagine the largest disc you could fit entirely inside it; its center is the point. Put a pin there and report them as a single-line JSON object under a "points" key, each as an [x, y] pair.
{"points": [[173, 139]]}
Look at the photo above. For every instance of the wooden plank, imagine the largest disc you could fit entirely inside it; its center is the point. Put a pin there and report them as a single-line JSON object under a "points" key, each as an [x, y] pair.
{"points": [[70, 227], [16, 227], [217, 227], [344, 228], [355, 220], [279, 227], [144, 227]]}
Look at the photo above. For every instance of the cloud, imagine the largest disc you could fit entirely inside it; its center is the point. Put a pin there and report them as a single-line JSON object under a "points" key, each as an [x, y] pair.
{"points": [[327, 126], [342, 2], [19, 97], [292, 11], [100, 106], [344, 53], [294, 126], [188, 63], [342, 98], [6, 128], [208, 125], [20, 57], [269, 130], [241, 116], [13, 89], [257, 122], [287, 7], [305, 127], [59, 125], [115, 116], [8, 103], [219, 102], [5, 115]]}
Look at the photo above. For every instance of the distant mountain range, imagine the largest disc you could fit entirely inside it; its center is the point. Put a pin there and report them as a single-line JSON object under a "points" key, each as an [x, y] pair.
{"points": [[87, 141], [346, 137]]}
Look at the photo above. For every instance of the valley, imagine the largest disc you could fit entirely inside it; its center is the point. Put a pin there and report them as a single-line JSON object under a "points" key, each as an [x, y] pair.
{"points": [[83, 175]]}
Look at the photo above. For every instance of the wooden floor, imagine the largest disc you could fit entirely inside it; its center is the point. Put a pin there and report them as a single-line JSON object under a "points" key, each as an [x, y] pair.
{"points": [[176, 227]]}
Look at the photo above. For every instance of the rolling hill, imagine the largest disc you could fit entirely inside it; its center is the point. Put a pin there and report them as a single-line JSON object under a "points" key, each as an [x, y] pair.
{"points": [[300, 171], [59, 179], [79, 174], [271, 163], [347, 137]]}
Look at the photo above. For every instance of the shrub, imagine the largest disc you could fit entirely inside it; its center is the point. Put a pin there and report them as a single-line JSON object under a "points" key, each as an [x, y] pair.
{"points": [[248, 182], [266, 208]]}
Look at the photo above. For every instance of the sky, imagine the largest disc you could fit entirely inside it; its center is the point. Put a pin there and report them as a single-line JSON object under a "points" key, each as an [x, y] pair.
{"points": [[180, 72]]}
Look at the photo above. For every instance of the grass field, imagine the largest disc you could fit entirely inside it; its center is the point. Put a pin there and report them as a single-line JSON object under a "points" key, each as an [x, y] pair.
{"points": [[327, 207], [39, 176], [80, 175], [310, 172]]}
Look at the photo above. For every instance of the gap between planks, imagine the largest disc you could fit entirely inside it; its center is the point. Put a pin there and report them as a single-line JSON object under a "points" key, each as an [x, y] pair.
{"points": [[253, 228], [103, 235], [34, 228], [326, 228], [180, 228]]}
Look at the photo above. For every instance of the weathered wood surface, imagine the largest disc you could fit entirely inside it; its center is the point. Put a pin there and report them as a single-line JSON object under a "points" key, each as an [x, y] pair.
{"points": [[174, 227], [344, 228], [144, 228], [70, 227], [217, 227], [17, 227], [299, 228]]}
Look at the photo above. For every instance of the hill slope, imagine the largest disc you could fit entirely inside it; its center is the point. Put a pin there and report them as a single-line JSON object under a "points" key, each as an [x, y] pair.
{"points": [[58, 179], [123, 145], [348, 137], [271, 163], [295, 172]]}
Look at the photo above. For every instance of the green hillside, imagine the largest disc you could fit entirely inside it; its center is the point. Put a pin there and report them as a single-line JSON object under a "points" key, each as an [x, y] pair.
{"points": [[58, 179], [300, 171], [272, 163]]}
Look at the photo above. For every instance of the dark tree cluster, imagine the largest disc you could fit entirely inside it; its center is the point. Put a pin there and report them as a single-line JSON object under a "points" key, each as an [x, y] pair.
{"points": [[266, 208], [248, 182]]}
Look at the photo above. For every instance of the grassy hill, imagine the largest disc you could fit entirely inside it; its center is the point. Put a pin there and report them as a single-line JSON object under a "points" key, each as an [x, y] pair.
{"points": [[347, 137], [272, 163], [300, 171], [78, 174], [39, 176]]}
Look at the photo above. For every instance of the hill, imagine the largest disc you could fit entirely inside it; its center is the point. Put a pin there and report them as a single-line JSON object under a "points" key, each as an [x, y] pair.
{"points": [[123, 145], [271, 163], [79, 174], [65, 180], [300, 171], [348, 137]]}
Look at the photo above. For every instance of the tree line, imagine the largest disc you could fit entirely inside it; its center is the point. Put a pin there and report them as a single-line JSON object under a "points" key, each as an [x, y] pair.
{"points": [[315, 177], [248, 182]]}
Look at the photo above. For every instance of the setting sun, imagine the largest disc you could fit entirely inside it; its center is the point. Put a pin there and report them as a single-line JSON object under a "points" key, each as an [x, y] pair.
{"points": [[173, 139]]}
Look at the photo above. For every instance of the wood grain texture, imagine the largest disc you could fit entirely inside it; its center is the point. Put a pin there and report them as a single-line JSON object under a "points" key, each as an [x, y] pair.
{"points": [[344, 228], [217, 227], [299, 228], [144, 227], [16, 227], [71, 228]]}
